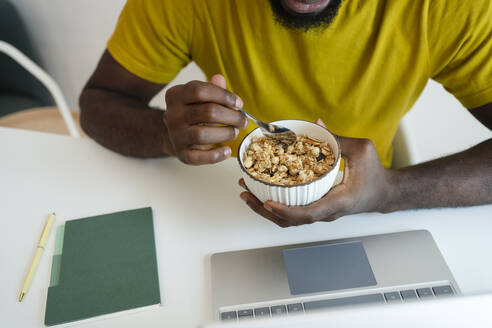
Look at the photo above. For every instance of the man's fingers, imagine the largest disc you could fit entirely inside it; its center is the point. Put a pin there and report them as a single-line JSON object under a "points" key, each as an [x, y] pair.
{"points": [[336, 201], [356, 148], [257, 207], [207, 135], [320, 122], [347, 145], [299, 214], [255, 204], [202, 92], [288, 215], [214, 113], [219, 80], [201, 157], [243, 184]]}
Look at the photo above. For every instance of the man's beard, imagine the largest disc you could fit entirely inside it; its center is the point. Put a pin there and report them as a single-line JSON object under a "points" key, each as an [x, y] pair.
{"points": [[305, 22]]}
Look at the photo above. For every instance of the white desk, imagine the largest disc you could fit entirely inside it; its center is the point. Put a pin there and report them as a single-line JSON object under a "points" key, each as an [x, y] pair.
{"points": [[197, 211]]}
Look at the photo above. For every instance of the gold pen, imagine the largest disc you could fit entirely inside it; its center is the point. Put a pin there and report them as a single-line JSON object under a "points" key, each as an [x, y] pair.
{"points": [[37, 255]]}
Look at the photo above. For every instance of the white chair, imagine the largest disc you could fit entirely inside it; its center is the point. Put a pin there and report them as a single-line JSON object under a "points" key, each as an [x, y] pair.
{"points": [[48, 82]]}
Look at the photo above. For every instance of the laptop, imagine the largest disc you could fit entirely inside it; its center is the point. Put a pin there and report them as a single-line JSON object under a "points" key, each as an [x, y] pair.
{"points": [[303, 278]]}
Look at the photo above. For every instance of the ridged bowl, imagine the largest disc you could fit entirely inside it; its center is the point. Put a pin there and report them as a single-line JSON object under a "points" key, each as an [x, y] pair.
{"points": [[295, 195]]}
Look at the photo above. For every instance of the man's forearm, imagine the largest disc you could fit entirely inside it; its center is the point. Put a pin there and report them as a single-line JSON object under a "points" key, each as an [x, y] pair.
{"points": [[123, 124], [461, 179]]}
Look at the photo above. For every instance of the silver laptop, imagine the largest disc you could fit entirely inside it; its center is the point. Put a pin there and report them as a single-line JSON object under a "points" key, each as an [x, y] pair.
{"points": [[303, 278]]}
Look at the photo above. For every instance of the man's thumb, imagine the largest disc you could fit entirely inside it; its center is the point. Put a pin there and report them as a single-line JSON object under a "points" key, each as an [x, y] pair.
{"points": [[320, 122], [346, 144], [218, 80]]}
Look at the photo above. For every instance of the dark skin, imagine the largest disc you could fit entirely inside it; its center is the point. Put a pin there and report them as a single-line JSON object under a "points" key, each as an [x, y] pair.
{"points": [[115, 112], [185, 130]]}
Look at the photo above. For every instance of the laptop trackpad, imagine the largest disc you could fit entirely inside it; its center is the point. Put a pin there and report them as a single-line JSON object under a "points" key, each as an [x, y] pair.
{"points": [[327, 267]]}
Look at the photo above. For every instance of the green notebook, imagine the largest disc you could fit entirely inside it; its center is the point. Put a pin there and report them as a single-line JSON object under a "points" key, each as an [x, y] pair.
{"points": [[102, 265]]}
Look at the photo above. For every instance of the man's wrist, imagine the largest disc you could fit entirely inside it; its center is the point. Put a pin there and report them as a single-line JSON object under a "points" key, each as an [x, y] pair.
{"points": [[167, 146], [391, 196]]}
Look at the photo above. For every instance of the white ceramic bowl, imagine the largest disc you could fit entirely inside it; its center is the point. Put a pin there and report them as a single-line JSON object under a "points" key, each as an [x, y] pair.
{"points": [[301, 194]]}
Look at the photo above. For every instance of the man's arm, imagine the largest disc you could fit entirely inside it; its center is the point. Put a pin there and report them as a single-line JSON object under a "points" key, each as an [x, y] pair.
{"points": [[115, 113], [461, 179]]}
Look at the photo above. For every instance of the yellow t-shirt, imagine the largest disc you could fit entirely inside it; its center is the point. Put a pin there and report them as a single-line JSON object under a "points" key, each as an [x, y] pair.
{"points": [[360, 76]]}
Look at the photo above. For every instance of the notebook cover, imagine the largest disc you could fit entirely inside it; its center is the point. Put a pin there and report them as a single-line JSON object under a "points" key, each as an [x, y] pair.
{"points": [[108, 264]]}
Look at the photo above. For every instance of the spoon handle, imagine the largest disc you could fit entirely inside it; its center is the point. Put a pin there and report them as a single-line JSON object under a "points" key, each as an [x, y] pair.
{"points": [[273, 131], [252, 118]]}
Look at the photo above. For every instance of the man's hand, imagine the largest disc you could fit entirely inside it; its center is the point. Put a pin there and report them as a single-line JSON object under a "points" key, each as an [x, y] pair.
{"points": [[115, 112], [195, 117], [364, 188]]}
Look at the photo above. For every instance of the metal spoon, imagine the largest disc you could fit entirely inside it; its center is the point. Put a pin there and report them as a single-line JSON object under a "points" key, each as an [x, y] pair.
{"points": [[273, 131]]}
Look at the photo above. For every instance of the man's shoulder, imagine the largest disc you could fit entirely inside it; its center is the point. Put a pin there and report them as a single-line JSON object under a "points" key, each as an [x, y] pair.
{"points": [[459, 9]]}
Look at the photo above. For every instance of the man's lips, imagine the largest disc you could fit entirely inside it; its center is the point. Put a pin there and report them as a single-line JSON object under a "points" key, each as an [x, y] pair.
{"points": [[305, 6]]}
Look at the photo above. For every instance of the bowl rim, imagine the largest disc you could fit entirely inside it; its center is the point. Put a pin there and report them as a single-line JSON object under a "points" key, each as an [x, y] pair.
{"points": [[296, 185]]}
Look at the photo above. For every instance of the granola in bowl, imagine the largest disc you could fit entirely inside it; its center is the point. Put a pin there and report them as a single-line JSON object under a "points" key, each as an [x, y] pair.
{"points": [[276, 163]]}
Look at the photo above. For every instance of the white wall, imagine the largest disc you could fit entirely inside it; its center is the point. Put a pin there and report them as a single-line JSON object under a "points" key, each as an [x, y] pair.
{"points": [[71, 35], [440, 125]]}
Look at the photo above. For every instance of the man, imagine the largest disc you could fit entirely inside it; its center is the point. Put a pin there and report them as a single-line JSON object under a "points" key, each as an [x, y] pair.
{"points": [[359, 65]]}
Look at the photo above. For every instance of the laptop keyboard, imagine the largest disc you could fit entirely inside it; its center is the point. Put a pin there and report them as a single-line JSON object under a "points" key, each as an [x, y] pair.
{"points": [[407, 295]]}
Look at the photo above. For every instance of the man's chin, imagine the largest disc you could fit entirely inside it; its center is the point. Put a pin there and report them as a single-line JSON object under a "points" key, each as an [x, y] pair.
{"points": [[305, 15], [305, 7]]}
